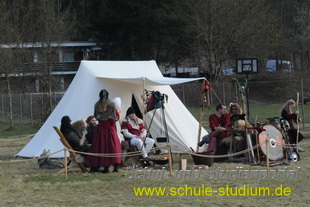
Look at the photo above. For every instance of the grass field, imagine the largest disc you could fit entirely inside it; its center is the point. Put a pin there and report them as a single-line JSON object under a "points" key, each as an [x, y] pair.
{"points": [[23, 184]]}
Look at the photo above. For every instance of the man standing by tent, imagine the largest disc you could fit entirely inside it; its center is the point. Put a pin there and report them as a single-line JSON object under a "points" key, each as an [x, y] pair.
{"points": [[133, 129]]}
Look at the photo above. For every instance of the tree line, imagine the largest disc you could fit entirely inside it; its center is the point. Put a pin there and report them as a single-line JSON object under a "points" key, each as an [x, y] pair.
{"points": [[203, 33], [209, 34]]}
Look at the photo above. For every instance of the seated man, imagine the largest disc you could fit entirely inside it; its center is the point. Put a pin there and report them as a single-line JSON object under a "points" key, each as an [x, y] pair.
{"points": [[132, 128], [219, 123], [91, 128]]}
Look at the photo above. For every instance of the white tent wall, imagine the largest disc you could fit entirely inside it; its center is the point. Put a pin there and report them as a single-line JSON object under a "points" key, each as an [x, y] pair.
{"points": [[121, 79]]}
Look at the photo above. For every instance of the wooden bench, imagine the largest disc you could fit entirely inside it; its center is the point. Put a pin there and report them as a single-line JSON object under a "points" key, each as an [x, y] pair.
{"points": [[73, 155]]}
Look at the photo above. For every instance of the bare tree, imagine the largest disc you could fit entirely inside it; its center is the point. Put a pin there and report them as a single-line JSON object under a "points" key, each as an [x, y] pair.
{"points": [[298, 32], [226, 29], [50, 25], [9, 54]]}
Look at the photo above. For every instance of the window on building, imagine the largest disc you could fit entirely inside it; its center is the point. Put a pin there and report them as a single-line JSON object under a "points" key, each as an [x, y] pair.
{"points": [[68, 57], [37, 85], [37, 57], [62, 83]]}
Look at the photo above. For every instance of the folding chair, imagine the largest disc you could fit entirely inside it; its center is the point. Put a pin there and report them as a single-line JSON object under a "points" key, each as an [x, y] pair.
{"points": [[73, 155]]}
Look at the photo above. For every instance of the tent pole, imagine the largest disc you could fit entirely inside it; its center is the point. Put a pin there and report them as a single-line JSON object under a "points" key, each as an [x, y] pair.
{"points": [[201, 112]]}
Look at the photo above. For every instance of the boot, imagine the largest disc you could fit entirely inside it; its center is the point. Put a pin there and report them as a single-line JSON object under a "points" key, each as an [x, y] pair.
{"points": [[205, 140], [201, 143], [115, 168], [94, 169], [106, 169]]}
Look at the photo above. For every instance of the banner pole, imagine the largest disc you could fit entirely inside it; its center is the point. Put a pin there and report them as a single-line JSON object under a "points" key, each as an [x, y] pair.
{"points": [[267, 154], [201, 113]]}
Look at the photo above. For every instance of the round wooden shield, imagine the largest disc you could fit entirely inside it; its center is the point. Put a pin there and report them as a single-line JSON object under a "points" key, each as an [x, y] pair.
{"points": [[275, 141]]}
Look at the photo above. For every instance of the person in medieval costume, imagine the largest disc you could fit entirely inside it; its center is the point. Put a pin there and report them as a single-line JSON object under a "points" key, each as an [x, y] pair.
{"points": [[287, 114], [75, 133], [219, 124], [238, 123], [91, 128], [105, 139], [134, 130]]}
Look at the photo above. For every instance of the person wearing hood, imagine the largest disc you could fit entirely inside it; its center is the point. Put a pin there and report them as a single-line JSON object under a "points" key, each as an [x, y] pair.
{"points": [[75, 133]]}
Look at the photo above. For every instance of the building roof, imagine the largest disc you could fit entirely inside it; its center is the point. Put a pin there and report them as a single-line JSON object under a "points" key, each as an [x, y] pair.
{"points": [[53, 44]]}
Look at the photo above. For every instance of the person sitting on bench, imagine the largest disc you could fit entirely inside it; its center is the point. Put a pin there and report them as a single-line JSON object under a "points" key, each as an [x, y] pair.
{"points": [[132, 128]]}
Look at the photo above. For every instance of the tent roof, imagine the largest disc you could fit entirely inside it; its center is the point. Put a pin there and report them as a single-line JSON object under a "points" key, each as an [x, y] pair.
{"points": [[128, 71], [155, 81]]}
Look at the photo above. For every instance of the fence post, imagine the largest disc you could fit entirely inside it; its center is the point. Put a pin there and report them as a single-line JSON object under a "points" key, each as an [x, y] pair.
{"points": [[2, 108], [20, 108], [302, 103], [236, 92], [31, 119]]}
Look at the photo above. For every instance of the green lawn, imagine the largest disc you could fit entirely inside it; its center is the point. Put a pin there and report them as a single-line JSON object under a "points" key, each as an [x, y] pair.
{"points": [[19, 129]]}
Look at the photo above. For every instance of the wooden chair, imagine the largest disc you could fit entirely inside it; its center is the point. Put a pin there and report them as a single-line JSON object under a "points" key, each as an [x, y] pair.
{"points": [[73, 155]]}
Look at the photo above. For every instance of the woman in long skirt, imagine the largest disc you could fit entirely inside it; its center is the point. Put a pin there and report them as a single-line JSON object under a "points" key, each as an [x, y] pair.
{"points": [[105, 139]]}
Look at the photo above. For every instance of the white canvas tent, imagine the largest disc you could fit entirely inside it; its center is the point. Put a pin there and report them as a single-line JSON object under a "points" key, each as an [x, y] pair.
{"points": [[122, 79]]}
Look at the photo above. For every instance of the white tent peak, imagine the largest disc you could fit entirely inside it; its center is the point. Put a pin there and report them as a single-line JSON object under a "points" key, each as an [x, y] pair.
{"points": [[124, 79]]}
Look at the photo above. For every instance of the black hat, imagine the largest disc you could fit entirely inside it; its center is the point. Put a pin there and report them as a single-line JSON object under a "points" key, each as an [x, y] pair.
{"points": [[130, 110]]}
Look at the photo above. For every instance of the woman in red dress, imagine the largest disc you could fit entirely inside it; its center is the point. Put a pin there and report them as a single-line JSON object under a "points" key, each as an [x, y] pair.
{"points": [[105, 138]]}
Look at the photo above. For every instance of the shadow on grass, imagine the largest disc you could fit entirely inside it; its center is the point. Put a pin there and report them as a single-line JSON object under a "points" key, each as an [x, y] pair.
{"points": [[10, 129]]}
